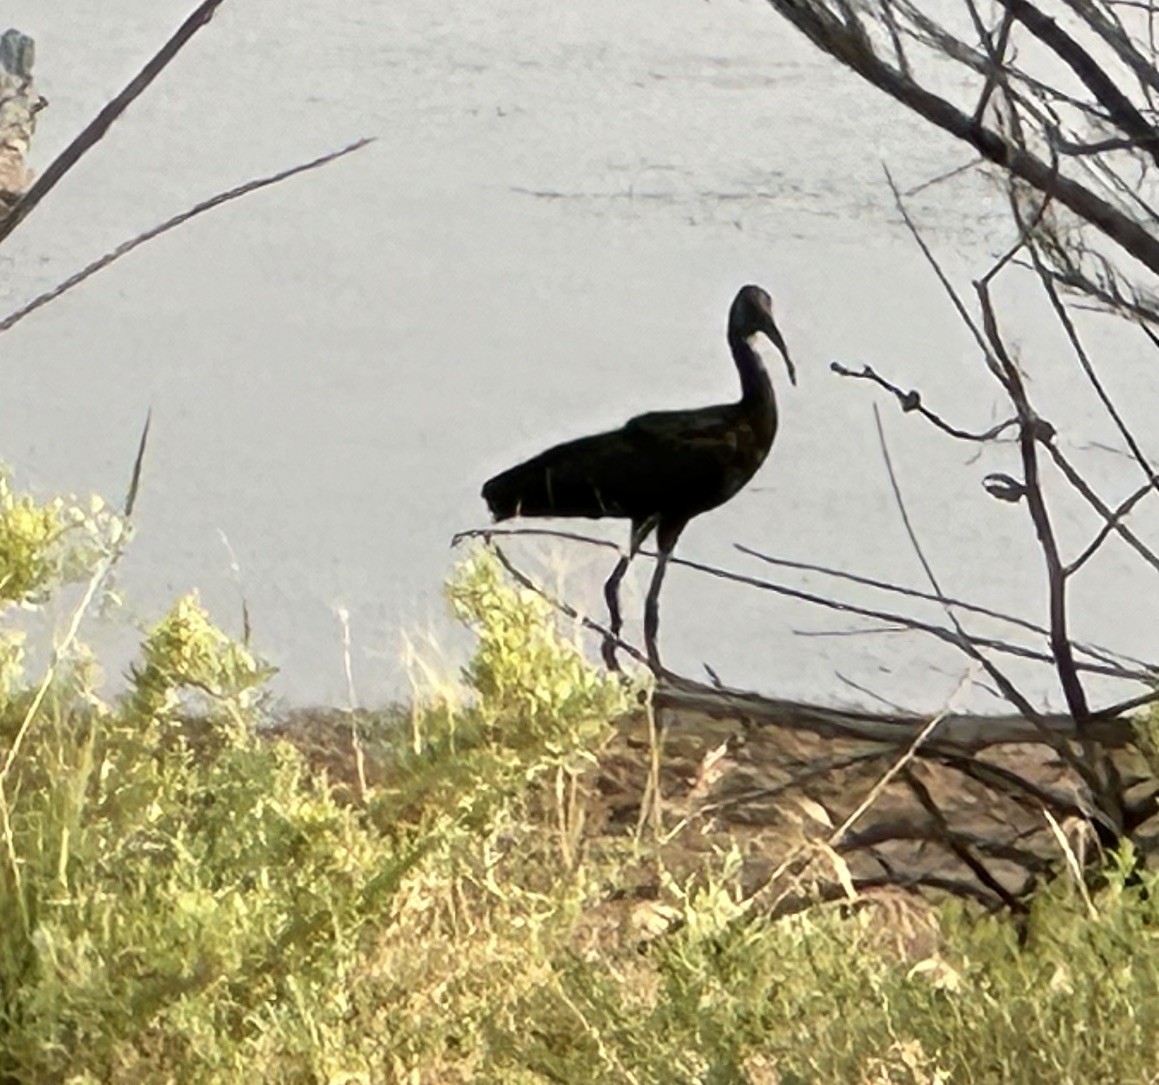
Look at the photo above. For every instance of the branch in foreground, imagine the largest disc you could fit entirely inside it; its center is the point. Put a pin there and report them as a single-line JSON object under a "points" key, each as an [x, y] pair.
{"points": [[1141, 671], [1118, 106], [958, 846], [912, 401], [1094, 769], [849, 44], [1017, 787], [1112, 518], [565, 608], [170, 224], [95, 130], [1084, 361], [92, 590], [908, 828], [1098, 771], [947, 636], [1009, 690]]}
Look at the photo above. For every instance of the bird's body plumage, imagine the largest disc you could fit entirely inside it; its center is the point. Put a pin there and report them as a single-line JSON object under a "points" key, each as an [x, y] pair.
{"points": [[662, 468], [671, 464]]}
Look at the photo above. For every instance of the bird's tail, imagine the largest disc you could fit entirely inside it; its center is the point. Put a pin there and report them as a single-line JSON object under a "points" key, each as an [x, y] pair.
{"points": [[520, 491], [502, 494], [559, 482]]}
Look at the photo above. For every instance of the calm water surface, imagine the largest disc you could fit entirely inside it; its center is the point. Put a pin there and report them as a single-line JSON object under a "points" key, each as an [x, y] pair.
{"points": [[543, 241]]}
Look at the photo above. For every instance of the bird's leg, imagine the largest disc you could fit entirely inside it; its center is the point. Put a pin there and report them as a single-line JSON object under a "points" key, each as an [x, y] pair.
{"points": [[640, 531], [615, 619], [652, 613], [666, 537]]}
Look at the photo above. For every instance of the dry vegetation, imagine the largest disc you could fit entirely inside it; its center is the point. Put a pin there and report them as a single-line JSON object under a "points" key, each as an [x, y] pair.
{"points": [[189, 893]]}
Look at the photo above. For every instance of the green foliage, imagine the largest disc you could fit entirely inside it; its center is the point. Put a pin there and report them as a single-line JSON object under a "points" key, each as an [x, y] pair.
{"points": [[183, 899], [816, 997], [44, 546], [522, 669], [186, 652]]}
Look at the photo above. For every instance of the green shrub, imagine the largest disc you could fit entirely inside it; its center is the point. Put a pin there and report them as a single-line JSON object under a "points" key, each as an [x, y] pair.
{"points": [[43, 546], [182, 899]]}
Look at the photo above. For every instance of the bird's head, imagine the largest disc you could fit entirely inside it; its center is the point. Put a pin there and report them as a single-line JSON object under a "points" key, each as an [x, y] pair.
{"points": [[752, 312]]}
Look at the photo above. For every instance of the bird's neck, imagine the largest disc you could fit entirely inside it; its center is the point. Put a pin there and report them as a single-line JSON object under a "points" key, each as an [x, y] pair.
{"points": [[755, 385]]}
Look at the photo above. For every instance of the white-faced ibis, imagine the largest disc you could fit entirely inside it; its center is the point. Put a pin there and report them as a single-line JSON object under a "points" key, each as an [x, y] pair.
{"points": [[662, 468]]}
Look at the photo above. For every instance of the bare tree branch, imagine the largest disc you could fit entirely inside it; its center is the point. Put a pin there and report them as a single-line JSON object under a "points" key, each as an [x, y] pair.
{"points": [[171, 224], [947, 636], [1002, 681], [958, 846], [853, 50], [95, 131], [1112, 33], [912, 401], [1111, 518], [1118, 106], [1140, 671]]}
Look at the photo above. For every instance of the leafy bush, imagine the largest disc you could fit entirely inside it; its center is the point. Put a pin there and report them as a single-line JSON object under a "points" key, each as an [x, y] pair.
{"points": [[183, 899], [45, 546]]}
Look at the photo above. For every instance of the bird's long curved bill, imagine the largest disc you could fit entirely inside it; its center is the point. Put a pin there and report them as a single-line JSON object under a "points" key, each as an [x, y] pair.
{"points": [[774, 334]]}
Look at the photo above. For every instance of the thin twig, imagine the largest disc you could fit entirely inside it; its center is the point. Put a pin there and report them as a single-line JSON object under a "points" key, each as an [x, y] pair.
{"points": [[947, 636], [1094, 767], [1142, 671], [811, 772], [970, 644], [958, 846], [1129, 705], [486, 533], [1112, 523], [1014, 785], [835, 838], [170, 224], [138, 465], [996, 53], [1028, 428], [96, 581], [1098, 773], [912, 401], [948, 175], [1089, 369], [905, 827], [860, 688], [1111, 518], [1118, 106], [95, 130], [947, 286], [907, 756], [566, 608], [828, 32]]}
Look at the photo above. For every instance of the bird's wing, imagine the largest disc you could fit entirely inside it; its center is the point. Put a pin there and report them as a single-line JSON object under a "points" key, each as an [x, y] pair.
{"points": [[707, 432], [700, 457], [666, 460]]}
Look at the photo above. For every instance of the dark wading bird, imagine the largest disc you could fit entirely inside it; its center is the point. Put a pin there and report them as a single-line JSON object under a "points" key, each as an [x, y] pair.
{"points": [[659, 470]]}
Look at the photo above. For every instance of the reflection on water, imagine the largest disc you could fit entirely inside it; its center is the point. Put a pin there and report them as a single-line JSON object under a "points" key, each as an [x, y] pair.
{"points": [[542, 242]]}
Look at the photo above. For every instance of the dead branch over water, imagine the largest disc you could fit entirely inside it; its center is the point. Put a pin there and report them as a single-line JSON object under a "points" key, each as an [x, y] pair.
{"points": [[95, 131], [19, 106]]}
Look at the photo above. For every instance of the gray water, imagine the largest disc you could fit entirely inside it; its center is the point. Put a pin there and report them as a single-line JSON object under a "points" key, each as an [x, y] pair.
{"points": [[542, 242]]}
